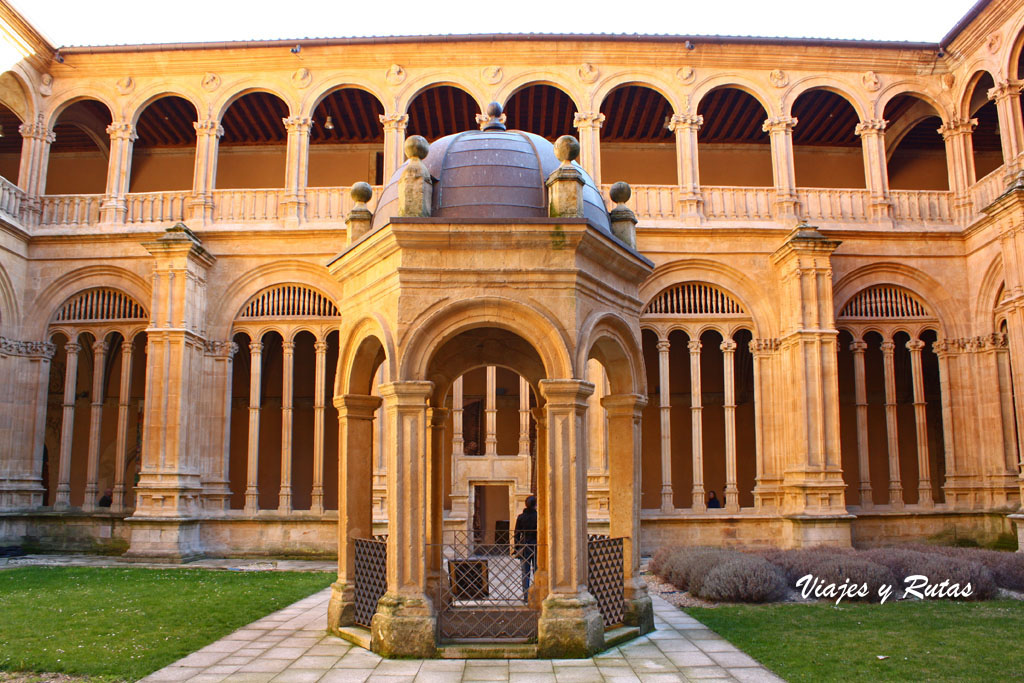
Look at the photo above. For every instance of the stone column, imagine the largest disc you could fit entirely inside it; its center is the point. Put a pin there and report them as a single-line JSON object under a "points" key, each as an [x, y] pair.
{"points": [[665, 415], [686, 127], [861, 396], [943, 350], [99, 358], [808, 393], [24, 387], [780, 128], [732, 491], [540, 587], [252, 489], [404, 625], [697, 420], [570, 623], [170, 488], [960, 163], [924, 479], [296, 169], [437, 418], [766, 488], [124, 402], [394, 142], [491, 412], [284, 498], [320, 389], [457, 443], [355, 505], [63, 497], [625, 412], [36, 139], [891, 425], [204, 176], [119, 172], [524, 417], [589, 126], [217, 484], [876, 172], [1006, 95]]}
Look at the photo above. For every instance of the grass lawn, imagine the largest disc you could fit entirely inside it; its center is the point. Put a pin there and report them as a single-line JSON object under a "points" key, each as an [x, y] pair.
{"points": [[122, 624], [923, 640]]}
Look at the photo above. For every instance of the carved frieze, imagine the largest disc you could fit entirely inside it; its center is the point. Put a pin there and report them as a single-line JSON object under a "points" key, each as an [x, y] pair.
{"points": [[27, 349]]}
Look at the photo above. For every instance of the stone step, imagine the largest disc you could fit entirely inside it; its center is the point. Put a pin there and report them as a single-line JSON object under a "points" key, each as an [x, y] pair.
{"points": [[617, 636], [357, 635], [478, 650]]}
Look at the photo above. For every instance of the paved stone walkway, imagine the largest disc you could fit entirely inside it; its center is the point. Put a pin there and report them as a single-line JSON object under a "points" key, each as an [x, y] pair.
{"points": [[291, 646]]}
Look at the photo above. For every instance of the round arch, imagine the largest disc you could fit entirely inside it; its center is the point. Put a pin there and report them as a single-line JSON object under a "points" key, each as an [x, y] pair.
{"points": [[922, 285], [139, 104], [841, 88], [356, 356], [89, 277], [907, 88], [248, 86], [966, 94], [610, 339], [736, 81], [326, 87], [432, 330], [644, 80], [10, 314], [72, 96], [434, 79], [758, 304], [530, 78], [230, 302]]}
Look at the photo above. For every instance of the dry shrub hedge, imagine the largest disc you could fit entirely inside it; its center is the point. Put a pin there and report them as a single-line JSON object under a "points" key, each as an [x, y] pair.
{"points": [[744, 578], [838, 568]]}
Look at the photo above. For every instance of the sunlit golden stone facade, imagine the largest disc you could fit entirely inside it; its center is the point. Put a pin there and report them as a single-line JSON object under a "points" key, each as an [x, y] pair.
{"points": [[856, 379]]}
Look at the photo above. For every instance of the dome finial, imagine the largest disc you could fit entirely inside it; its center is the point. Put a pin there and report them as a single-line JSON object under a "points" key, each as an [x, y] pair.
{"points": [[493, 119], [567, 149]]}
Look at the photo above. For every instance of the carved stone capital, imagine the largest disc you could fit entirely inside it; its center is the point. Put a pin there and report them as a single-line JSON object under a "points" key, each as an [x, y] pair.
{"points": [[122, 130], [28, 349], [320, 346], [685, 122], [208, 127], [587, 119], [37, 130], [728, 346], [915, 345], [956, 127], [1005, 89], [858, 346], [694, 346], [287, 347], [297, 124], [763, 346], [871, 126], [888, 347], [394, 122], [779, 124], [100, 346], [255, 348], [221, 349], [71, 348], [664, 346]]}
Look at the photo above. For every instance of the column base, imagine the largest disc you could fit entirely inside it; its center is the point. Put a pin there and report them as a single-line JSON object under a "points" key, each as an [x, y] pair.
{"points": [[163, 540], [1017, 520], [341, 609], [639, 610], [404, 627], [570, 627]]}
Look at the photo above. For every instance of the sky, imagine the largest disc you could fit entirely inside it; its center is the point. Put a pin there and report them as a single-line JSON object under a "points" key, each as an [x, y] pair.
{"points": [[88, 22]]}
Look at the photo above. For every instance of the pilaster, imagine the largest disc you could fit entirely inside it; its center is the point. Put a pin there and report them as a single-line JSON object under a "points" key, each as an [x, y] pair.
{"points": [[24, 382], [170, 486], [813, 482]]}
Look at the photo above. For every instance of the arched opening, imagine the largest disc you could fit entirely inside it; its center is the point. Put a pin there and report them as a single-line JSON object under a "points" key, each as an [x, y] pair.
{"points": [[636, 144], [988, 150], [734, 148], [80, 151], [891, 402], [826, 150], [252, 152], [541, 109], [345, 140], [442, 110], [283, 450], [10, 144], [915, 150], [163, 156], [650, 459]]}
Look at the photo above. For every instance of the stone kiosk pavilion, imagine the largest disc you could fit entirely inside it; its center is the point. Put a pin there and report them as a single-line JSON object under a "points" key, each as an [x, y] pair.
{"points": [[535, 276]]}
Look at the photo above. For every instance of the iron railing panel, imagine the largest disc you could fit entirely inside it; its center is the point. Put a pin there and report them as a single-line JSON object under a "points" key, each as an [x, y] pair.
{"points": [[605, 578], [371, 581]]}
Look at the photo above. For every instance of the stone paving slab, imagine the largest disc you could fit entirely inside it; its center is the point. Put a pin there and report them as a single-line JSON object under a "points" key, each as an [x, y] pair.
{"points": [[291, 645]]}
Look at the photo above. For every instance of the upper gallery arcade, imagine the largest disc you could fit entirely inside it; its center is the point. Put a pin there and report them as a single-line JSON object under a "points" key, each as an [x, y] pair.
{"points": [[853, 379]]}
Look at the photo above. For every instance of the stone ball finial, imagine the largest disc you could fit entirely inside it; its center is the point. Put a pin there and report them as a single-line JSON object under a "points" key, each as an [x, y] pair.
{"points": [[620, 192], [416, 147], [567, 149], [494, 110], [361, 192]]}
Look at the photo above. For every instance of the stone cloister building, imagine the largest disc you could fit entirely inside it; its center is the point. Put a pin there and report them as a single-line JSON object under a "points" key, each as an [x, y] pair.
{"points": [[831, 331]]}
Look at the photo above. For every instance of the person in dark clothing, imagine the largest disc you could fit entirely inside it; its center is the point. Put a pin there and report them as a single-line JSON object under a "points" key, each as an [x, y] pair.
{"points": [[713, 501], [526, 541], [106, 500]]}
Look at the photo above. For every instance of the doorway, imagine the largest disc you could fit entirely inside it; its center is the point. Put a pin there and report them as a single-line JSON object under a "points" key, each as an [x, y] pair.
{"points": [[491, 514]]}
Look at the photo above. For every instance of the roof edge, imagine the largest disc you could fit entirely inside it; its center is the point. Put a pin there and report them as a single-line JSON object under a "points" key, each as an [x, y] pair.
{"points": [[964, 22]]}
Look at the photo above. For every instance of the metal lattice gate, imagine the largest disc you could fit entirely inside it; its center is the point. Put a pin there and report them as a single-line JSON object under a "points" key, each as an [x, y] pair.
{"points": [[482, 590], [605, 578], [371, 579]]}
